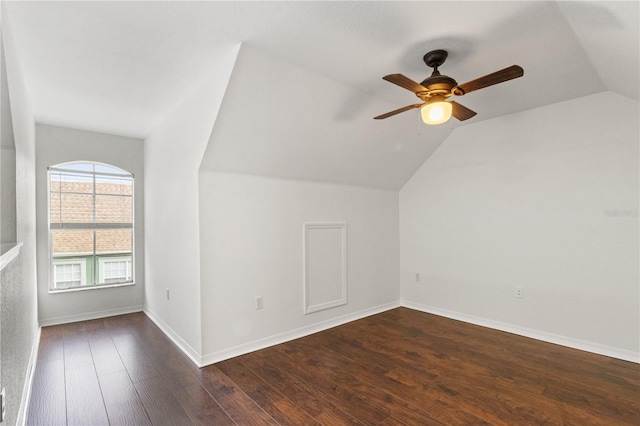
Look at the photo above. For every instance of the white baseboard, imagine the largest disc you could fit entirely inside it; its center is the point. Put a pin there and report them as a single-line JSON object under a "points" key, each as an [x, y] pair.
{"points": [[28, 380], [293, 334], [582, 345], [175, 337], [89, 316]]}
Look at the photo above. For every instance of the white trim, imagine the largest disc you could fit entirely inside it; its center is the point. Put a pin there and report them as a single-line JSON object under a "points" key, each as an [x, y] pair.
{"points": [[175, 337], [90, 287], [28, 380], [342, 226], [557, 339], [84, 172], [293, 334], [90, 316], [7, 258]]}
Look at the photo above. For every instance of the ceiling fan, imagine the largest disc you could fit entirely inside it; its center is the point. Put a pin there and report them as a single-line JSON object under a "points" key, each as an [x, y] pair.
{"points": [[436, 89]]}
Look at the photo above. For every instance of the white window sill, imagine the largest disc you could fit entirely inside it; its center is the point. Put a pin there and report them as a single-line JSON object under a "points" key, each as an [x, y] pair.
{"points": [[9, 252], [89, 287]]}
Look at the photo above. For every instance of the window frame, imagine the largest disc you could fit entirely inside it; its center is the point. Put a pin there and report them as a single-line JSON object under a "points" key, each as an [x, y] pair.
{"points": [[93, 226]]}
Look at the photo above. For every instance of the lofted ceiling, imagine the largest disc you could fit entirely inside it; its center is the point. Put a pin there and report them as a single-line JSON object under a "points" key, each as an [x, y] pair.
{"points": [[314, 68]]}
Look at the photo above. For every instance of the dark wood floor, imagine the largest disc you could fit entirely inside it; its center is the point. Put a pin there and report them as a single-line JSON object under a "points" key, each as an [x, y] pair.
{"points": [[401, 367]]}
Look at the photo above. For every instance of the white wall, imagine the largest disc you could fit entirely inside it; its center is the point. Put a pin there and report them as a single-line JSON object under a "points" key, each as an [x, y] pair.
{"points": [[7, 166], [173, 153], [547, 200], [19, 321], [57, 145], [252, 245]]}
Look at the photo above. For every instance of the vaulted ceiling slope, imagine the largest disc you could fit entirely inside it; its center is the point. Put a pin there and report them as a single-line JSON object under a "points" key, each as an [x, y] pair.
{"points": [[308, 78], [280, 120]]}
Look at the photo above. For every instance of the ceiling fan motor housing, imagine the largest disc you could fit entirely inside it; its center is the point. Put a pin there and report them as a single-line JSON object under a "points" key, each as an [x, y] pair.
{"points": [[437, 85]]}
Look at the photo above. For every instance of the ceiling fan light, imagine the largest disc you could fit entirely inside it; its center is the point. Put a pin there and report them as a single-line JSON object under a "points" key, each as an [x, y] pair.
{"points": [[436, 112]]}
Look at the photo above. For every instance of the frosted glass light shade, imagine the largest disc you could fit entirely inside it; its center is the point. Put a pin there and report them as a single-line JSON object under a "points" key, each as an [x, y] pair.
{"points": [[436, 112]]}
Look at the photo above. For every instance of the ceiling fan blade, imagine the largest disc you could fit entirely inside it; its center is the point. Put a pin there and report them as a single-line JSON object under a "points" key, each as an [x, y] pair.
{"points": [[405, 82], [509, 73], [397, 111], [461, 112]]}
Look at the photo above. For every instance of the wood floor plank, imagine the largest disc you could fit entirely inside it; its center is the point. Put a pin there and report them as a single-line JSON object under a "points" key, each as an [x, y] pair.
{"points": [[84, 397], [118, 324], [176, 373], [408, 396], [47, 405], [95, 325], [338, 385], [52, 331], [73, 328], [290, 384], [105, 355], [459, 369], [241, 408], [134, 358], [416, 384], [201, 407], [121, 400], [50, 349], [577, 395], [412, 394], [160, 404], [77, 352], [282, 409]]}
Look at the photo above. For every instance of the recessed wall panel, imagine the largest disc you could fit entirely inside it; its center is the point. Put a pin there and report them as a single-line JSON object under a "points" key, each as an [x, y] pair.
{"points": [[325, 266]]}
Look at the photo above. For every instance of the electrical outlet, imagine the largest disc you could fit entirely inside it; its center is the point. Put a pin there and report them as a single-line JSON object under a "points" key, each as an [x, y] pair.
{"points": [[519, 292], [259, 303], [417, 277]]}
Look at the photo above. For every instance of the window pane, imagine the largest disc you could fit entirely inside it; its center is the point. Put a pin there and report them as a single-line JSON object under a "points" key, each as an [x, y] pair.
{"points": [[55, 207], [76, 182], [103, 168], [114, 209], [114, 185], [114, 241], [66, 242], [71, 182], [85, 167], [75, 208]]}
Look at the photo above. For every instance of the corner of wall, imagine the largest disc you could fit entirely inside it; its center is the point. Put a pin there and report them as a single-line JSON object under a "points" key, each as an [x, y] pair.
{"points": [[529, 200], [184, 346], [172, 231]]}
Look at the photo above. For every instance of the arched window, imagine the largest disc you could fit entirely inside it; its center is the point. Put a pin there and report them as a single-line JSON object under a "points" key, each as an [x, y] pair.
{"points": [[90, 226]]}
